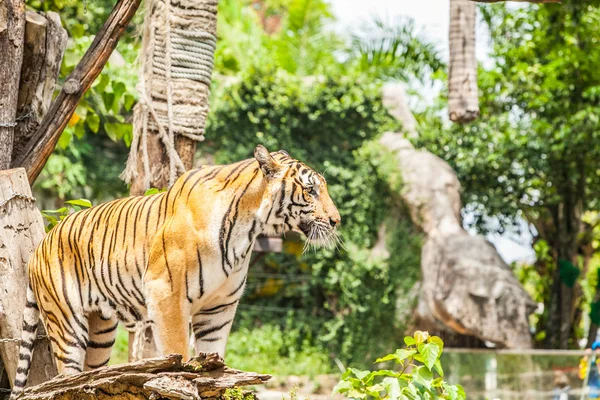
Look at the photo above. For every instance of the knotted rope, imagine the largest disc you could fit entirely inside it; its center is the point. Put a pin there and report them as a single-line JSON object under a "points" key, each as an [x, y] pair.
{"points": [[177, 58]]}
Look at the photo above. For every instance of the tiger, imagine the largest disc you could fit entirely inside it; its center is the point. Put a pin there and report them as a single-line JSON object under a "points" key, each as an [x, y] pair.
{"points": [[170, 261]]}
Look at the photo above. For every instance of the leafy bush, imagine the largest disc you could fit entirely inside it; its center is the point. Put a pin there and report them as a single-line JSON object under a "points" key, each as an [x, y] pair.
{"points": [[55, 216], [265, 349], [325, 297], [419, 362]]}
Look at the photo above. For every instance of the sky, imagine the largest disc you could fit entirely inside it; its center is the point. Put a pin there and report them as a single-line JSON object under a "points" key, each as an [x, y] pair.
{"points": [[432, 19]]}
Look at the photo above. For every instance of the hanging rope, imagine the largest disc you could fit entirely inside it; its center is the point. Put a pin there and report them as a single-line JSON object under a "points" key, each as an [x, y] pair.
{"points": [[177, 59]]}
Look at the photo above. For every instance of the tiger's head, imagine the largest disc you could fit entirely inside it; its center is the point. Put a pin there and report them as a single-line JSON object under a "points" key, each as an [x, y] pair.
{"points": [[299, 198]]}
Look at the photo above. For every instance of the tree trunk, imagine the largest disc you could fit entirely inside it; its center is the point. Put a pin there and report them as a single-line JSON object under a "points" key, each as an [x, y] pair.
{"points": [[45, 44], [463, 100], [12, 30], [174, 94], [159, 164], [22, 229]]}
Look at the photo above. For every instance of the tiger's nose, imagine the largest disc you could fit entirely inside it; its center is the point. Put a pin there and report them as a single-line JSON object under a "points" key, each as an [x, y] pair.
{"points": [[333, 222]]}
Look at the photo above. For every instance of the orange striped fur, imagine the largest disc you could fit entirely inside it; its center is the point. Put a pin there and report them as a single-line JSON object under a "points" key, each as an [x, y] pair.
{"points": [[167, 259]]}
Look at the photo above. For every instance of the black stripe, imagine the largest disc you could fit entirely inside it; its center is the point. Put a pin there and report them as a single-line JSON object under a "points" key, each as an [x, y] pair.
{"points": [[166, 261], [205, 332], [187, 288], [217, 309], [102, 364], [100, 345], [30, 304], [200, 273], [239, 287], [29, 328], [207, 177], [107, 330], [210, 339]]}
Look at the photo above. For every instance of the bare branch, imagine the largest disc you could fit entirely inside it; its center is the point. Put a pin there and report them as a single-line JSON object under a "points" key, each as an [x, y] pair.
{"points": [[42, 143]]}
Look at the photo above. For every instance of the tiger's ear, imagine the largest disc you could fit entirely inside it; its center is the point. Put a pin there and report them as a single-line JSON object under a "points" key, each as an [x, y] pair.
{"points": [[267, 163]]}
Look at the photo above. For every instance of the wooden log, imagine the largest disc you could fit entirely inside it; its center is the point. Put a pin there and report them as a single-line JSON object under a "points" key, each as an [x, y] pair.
{"points": [[45, 44], [42, 143], [12, 27], [205, 376], [463, 98], [21, 228]]}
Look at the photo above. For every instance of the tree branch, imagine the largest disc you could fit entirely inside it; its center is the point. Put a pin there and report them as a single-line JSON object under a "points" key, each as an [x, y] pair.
{"points": [[44, 140]]}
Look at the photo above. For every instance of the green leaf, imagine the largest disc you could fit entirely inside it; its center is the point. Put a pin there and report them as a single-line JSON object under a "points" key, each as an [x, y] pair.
{"points": [[392, 388], [385, 372], [108, 98], [128, 101], [117, 131], [420, 337], [430, 352], [425, 373], [437, 340], [342, 387], [409, 340], [360, 374], [77, 31], [65, 138], [93, 122], [84, 203], [152, 191], [438, 367], [61, 210], [399, 356]]}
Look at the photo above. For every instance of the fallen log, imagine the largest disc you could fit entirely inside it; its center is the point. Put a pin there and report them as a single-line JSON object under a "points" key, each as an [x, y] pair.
{"points": [[203, 377]]}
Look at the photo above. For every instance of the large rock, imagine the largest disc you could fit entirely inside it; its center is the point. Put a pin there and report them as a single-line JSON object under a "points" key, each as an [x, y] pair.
{"points": [[466, 286]]}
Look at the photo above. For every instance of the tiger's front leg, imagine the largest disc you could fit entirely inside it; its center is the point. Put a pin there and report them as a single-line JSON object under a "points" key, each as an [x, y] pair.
{"points": [[170, 319], [211, 328]]}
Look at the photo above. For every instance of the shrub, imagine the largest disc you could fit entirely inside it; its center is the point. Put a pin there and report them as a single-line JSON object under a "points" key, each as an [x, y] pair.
{"points": [[419, 362]]}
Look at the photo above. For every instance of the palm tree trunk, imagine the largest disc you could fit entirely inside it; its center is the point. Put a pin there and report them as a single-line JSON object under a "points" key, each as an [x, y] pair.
{"points": [[463, 102]]}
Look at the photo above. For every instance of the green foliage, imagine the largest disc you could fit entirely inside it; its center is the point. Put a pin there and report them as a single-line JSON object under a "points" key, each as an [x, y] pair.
{"points": [[53, 217], [236, 394], [532, 155], [325, 296], [269, 350], [86, 160], [537, 139], [120, 350], [393, 49], [284, 34], [418, 363]]}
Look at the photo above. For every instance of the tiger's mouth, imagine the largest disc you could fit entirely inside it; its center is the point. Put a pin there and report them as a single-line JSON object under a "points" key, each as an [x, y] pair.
{"points": [[319, 234], [304, 228]]}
